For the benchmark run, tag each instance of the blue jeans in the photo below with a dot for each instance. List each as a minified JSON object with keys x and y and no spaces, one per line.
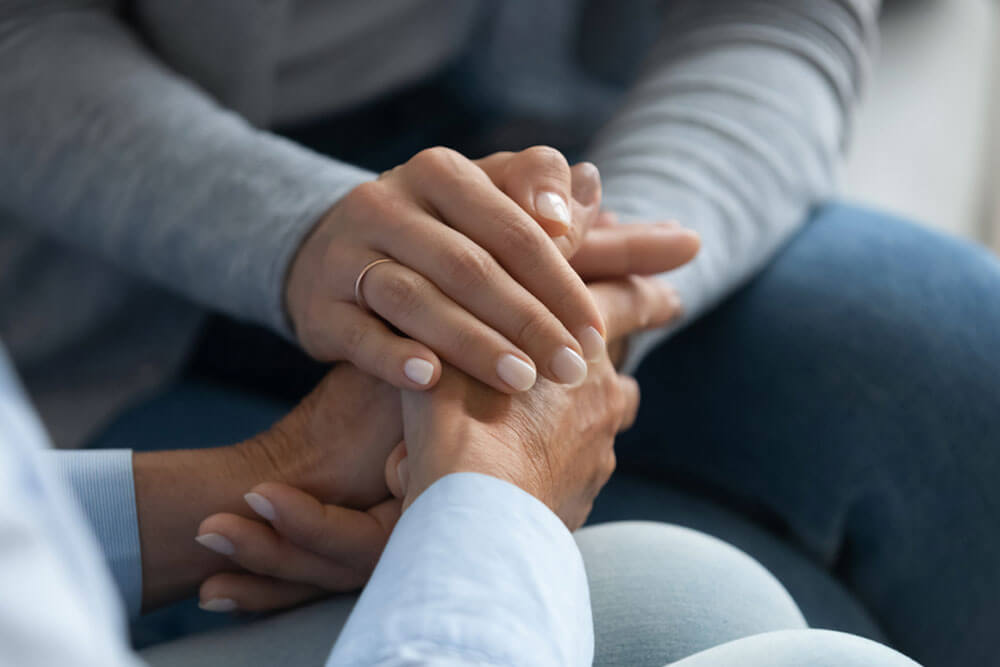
{"x":836,"y":419}
{"x":848,"y":402}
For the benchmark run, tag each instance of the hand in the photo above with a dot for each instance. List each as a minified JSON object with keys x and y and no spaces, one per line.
{"x":334,"y":445}
{"x":475,"y":280}
{"x":307,"y":548}
{"x":553,"y":442}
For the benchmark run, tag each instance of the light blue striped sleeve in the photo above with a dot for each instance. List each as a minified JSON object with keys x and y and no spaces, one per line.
{"x":102,"y":483}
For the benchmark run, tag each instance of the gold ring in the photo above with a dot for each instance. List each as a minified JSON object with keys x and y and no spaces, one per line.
{"x":358,"y":299}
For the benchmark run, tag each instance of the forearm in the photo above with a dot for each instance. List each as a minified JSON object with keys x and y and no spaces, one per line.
{"x":175,"y":491}
{"x":736,"y":129}
{"x":107,"y":149}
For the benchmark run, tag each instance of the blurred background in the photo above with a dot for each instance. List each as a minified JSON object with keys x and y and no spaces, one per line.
{"x":927,"y":144}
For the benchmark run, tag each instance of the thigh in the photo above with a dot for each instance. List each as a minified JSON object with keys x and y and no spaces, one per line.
{"x":660,"y":592}
{"x":847,"y":398}
{"x":295,"y":638}
{"x":794,"y":648}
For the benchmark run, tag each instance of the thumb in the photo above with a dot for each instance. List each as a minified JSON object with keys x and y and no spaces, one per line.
{"x":397,"y":471}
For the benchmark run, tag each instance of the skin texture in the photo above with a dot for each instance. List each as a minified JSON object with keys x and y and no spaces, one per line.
{"x":334,"y":446}
{"x":476,"y":279}
{"x":555,"y":442}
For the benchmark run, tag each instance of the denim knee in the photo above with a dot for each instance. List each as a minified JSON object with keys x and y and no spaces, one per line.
{"x":661,"y":592}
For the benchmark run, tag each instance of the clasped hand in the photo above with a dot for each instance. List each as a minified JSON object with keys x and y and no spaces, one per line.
{"x":322,"y":525}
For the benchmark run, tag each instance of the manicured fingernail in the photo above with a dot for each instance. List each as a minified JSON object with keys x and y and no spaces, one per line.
{"x":586,"y":183}
{"x":216,"y":543}
{"x":261,"y":505}
{"x":569,"y":367}
{"x":517,"y":373}
{"x":592,"y":343}
{"x":418,"y":370}
{"x":551,"y":206}
{"x":218,"y":605}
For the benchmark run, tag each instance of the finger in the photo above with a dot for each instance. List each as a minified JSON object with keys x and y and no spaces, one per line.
{"x":585,"y":205}
{"x":640,"y":249}
{"x":606,"y":218}
{"x":258,"y":548}
{"x":538,"y":179}
{"x":396,"y":470}
{"x":363,"y":339}
{"x":237,"y":591}
{"x":635,"y":303}
{"x":630,"y":392}
{"x":417,"y":307}
{"x":473,"y":279}
{"x":475,"y":207}
{"x":351,"y":537}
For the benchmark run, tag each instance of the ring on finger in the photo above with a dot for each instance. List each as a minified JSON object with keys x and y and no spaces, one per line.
{"x":358,"y":296}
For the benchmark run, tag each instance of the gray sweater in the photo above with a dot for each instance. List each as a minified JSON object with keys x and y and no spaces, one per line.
{"x":139,"y":186}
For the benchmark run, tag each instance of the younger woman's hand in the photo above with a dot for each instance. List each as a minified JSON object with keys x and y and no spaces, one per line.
{"x":474,"y":276}
{"x":474,"y":279}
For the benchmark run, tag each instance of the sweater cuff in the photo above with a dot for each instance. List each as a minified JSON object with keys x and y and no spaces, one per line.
{"x":102,"y":482}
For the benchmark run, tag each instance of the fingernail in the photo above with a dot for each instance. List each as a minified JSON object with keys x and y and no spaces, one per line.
{"x":261,"y":505}
{"x":592,"y":342}
{"x":517,"y":373}
{"x":403,"y":473}
{"x":551,"y":206}
{"x":586,"y":188}
{"x":418,"y":370}
{"x":569,"y":367}
{"x":216,"y":543}
{"x":218,"y":605}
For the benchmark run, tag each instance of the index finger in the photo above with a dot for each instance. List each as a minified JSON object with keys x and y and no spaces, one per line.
{"x":475,"y":207}
{"x":641,"y":249}
{"x":634,"y":304}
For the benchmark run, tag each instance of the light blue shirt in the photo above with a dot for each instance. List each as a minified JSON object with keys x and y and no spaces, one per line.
{"x":476,"y":571}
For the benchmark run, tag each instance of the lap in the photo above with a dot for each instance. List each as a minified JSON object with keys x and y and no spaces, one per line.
{"x":658,"y":593}
{"x":846,"y":399}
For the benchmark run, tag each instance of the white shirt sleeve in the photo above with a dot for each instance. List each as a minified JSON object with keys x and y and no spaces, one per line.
{"x":58,"y":606}
{"x":477,"y":571}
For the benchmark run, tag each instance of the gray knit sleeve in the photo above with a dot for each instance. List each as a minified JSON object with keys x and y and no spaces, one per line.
{"x":107,"y":149}
{"x":735,"y":128}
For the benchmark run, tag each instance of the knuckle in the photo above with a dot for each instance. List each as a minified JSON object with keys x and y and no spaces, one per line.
{"x":469,"y":267}
{"x":547,"y":158}
{"x":521,"y":240}
{"x":399,"y":292}
{"x":465,"y":341}
{"x":535,"y":324}
{"x":363,"y":199}
{"x":353,"y":336}
{"x":439,"y":160}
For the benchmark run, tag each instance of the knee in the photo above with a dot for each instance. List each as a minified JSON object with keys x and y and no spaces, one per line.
{"x":793,"y":648}
{"x":863,"y":282}
{"x":662,"y":592}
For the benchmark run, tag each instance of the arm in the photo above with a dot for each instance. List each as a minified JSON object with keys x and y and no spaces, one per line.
{"x":107,"y":149}
{"x":58,"y":605}
{"x":477,"y":571}
{"x":736,"y":127}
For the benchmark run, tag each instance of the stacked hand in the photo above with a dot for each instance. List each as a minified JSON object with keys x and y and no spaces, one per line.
{"x":473,"y":276}
{"x":470,"y":289}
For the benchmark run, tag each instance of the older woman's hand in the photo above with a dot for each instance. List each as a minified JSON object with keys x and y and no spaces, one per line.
{"x":554,"y":441}
{"x":474,"y":277}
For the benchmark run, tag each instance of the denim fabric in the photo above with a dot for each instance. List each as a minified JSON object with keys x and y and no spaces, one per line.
{"x":847,"y":400}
